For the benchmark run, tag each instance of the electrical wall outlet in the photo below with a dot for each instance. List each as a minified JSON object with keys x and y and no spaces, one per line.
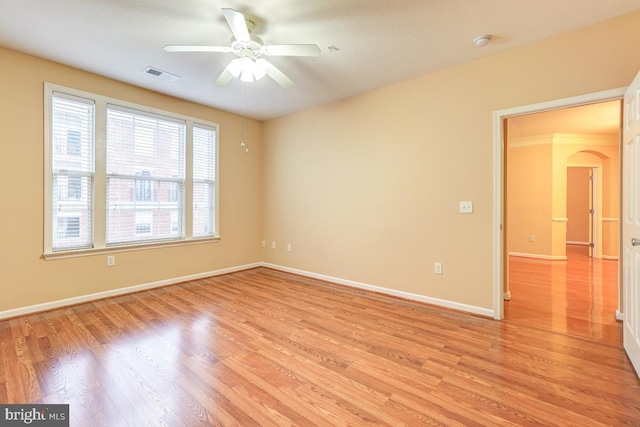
{"x":288,"y":247}
{"x":532,"y":238}
{"x":111,"y":261}
{"x":273,"y":245}
{"x":466,"y":207}
{"x":263,"y":243}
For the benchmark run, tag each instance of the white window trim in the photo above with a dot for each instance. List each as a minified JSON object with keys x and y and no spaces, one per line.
{"x":99,"y":190}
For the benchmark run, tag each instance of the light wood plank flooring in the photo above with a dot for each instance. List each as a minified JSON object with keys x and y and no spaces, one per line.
{"x":265,"y":348}
{"x":578,"y":297}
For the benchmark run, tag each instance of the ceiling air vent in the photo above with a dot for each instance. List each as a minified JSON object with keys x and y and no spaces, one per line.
{"x":162,"y":74}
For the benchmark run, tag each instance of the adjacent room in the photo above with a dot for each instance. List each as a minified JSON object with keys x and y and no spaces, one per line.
{"x":563,"y":164}
{"x":320,"y":213}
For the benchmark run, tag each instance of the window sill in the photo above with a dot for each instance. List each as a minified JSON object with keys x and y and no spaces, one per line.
{"x":50,"y":256}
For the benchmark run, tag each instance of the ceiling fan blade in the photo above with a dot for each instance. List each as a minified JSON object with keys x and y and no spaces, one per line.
{"x":225,"y":77}
{"x":277,"y":75}
{"x":291,"y":50}
{"x":237,"y":24}
{"x":177,"y":48}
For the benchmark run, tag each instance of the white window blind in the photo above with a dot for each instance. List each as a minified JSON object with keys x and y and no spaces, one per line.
{"x":145,"y":176}
{"x":204,"y":149}
{"x":72,"y":169}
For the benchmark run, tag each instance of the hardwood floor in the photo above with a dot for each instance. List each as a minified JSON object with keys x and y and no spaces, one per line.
{"x":577,"y":297}
{"x":265,"y":348}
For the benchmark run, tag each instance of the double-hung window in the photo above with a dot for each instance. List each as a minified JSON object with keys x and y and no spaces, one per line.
{"x":119,"y":174}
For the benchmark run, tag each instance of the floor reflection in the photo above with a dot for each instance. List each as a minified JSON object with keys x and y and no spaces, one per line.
{"x":577,"y":297}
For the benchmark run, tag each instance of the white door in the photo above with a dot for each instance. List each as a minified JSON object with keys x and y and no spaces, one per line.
{"x":631,"y":221}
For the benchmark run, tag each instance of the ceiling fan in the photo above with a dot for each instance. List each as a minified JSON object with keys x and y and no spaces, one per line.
{"x":250,"y":65}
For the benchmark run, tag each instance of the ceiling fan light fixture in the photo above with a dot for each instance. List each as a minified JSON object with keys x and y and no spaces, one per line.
{"x":259,"y":70}
{"x":247,"y":76}
{"x":235,"y":67}
{"x":248,"y":65}
{"x":247,"y":69}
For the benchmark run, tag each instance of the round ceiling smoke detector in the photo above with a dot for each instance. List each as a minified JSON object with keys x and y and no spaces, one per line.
{"x":482,"y":40}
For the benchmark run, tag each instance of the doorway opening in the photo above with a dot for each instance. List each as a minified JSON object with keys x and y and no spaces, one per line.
{"x":581,"y":207}
{"x":531,"y":223}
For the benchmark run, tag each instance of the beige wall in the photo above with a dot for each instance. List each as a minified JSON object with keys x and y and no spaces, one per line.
{"x":25,"y":278}
{"x":367,"y":188}
{"x":530,"y":178}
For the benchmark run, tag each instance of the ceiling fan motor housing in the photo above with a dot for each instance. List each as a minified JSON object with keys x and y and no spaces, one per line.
{"x":252,"y":48}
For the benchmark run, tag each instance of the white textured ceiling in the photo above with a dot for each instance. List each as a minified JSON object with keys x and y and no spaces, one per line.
{"x":380,"y":41}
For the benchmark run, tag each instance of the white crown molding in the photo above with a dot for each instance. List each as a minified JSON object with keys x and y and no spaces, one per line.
{"x":588,"y":139}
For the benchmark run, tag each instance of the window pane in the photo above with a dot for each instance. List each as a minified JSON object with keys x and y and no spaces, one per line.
{"x":74,"y":188}
{"x":143,"y":191}
{"x":203,"y":214}
{"x":68,"y":227}
{"x":145,"y":176}
{"x":131,"y":220}
{"x":72,"y":139}
{"x":74,"y":142}
{"x":204,"y":181}
{"x":136,"y":142}
{"x":144,"y":222}
{"x":204,"y":153}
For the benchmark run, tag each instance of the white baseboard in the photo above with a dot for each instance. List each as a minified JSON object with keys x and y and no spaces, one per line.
{"x":407,"y":295}
{"x":121,"y":291}
{"x":555,"y":258}
{"x":539,"y":256}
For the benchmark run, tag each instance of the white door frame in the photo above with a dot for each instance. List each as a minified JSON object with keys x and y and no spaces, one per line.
{"x":498,"y":179}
